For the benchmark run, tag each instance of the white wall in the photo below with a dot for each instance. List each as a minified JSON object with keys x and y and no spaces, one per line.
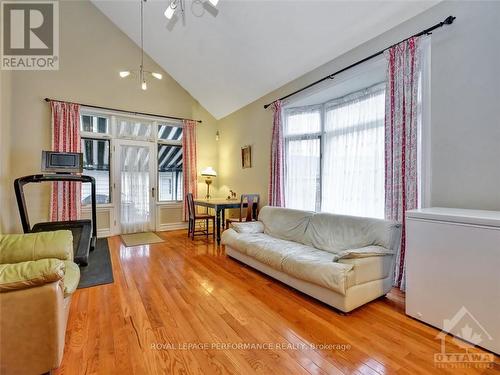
{"x":465,"y":121}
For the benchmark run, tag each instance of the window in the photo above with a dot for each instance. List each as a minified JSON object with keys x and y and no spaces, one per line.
{"x":94,"y":124}
{"x":96,"y":157}
{"x":335,"y":155}
{"x":302,"y":133}
{"x":170,"y":182}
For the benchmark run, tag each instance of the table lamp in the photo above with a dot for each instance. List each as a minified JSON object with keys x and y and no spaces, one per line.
{"x":208,"y":172}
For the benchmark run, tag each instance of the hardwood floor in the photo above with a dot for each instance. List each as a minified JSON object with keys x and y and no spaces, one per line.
{"x":170,"y":296}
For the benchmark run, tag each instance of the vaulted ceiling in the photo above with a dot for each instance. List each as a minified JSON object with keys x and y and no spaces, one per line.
{"x":245,"y":49}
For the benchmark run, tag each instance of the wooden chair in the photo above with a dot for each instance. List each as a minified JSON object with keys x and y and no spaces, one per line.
{"x":193,"y":216}
{"x":250,"y":200}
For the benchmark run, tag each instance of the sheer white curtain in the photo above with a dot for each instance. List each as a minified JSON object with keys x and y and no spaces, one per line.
{"x":302,"y":133}
{"x":135,"y":203}
{"x":353,"y":163}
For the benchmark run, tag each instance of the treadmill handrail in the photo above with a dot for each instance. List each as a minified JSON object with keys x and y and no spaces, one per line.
{"x":37,"y":178}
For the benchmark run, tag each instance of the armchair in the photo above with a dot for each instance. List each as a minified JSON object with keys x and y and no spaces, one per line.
{"x":37,"y":279}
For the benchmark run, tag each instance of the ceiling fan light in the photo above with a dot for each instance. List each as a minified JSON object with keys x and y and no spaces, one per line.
{"x":214,"y":2}
{"x":169,"y":13}
{"x":157,"y":75}
{"x":144,"y":85}
{"x":124,"y":73}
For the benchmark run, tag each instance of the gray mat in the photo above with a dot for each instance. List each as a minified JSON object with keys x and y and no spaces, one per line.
{"x":99,"y":270}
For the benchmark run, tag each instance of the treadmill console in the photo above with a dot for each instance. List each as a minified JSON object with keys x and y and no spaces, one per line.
{"x":62,"y":162}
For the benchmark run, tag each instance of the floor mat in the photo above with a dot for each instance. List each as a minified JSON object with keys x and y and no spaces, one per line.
{"x":136,"y":239}
{"x":99,"y":270}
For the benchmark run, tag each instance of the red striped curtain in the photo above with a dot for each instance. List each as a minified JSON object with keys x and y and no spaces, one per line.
{"x":276,"y":178}
{"x":66,"y":196}
{"x":190,"y":169}
{"x":401,"y":116}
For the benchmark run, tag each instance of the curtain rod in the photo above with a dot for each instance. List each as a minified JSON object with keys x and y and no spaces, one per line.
{"x":448,"y":21}
{"x":124,"y":111}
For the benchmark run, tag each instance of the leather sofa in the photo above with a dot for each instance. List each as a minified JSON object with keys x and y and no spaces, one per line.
{"x":343,"y":261}
{"x":37,"y":279}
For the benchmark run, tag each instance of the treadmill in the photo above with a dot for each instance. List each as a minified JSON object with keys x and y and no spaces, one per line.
{"x":84,"y":231}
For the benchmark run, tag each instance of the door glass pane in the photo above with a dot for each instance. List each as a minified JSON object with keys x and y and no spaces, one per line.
{"x":96,"y":164}
{"x":135,"y":188}
{"x":134,"y":129}
{"x":303,"y":174}
{"x":170,"y":173}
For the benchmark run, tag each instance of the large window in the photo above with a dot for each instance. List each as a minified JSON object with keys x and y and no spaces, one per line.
{"x":170,"y":186}
{"x":96,"y":157}
{"x":335,"y":155}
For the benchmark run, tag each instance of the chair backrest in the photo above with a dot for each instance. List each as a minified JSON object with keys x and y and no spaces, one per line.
{"x":251,"y":200}
{"x":190,"y":204}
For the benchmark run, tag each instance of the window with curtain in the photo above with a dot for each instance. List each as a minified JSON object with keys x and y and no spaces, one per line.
{"x":302,"y":134}
{"x":170,"y":168}
{"x":95,"y":146}
{"x":335,"y":155}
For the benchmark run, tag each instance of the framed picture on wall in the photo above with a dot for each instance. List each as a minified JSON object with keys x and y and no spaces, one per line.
{"x":246,"y":157}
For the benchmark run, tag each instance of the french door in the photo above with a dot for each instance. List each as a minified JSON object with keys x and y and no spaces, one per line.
{"x":135,"y":179}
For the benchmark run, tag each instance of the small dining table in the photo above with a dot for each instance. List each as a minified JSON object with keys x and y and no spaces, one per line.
{"x":220,"y":205}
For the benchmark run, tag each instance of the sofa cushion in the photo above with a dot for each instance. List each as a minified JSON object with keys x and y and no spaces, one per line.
{"x":335,"y":233}
{"x":15,"y":248}
{"x":71,"y":277}
{"x":24,"y":275}
{"x":285,"y":223}
{"x":364,"y":252}
{"x":262,"y":247}
{"x":317,"y":267}
{"x":248,"y":227}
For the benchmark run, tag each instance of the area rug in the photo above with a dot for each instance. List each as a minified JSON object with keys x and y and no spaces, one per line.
{"x":99,"y":270}
{"x":136,"y":239}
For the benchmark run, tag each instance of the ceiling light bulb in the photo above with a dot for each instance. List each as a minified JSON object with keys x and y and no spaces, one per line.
{"x":157,"y":75}
{"x":214,"y":2}
{"x":124,"y":73}
{"x":144,"y":85}
{"x":169,"y":13}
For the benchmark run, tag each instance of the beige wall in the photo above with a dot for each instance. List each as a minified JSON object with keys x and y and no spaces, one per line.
{"x":465,"y":125}
{"x":92,"y":52}
{"x":5,"y":185}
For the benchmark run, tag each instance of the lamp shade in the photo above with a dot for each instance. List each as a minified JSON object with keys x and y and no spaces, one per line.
{"x":209,"y":171}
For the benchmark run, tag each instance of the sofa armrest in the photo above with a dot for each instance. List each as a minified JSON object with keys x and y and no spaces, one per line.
{"x":32,"y":328}
{"x":24,"y":275}
{"x":248,"y":227}
{"x":15,"y":248}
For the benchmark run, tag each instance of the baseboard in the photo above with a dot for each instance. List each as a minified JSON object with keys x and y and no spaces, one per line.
{"x":172,"y":226}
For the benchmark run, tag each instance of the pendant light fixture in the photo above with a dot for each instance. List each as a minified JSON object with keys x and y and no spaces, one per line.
{"x":142,"y":73}
{"x":179,"y":4}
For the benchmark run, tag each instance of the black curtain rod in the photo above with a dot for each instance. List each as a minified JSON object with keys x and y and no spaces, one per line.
{"x":123,"y":110}
{"x":448,"y":21}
